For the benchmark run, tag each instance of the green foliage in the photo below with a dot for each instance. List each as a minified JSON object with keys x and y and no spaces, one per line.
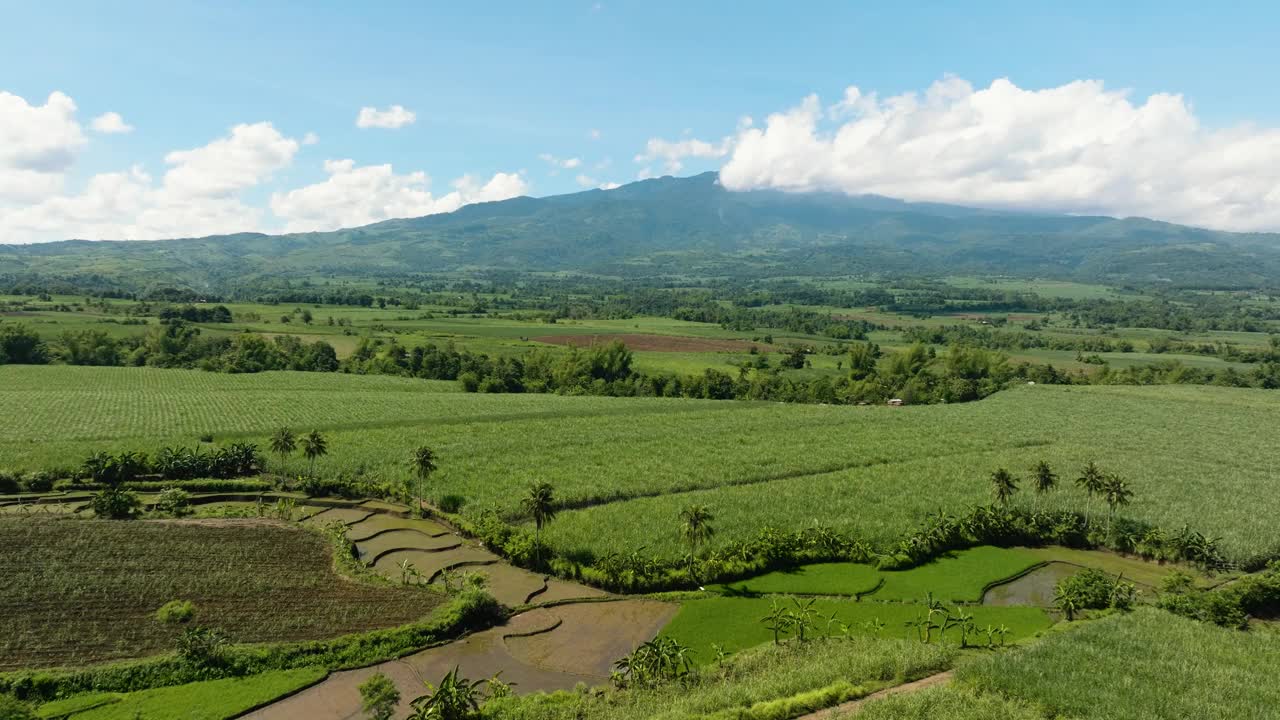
{"x":661,"y":660}
{"x":12,"y":708}
{"x":1144,"y":665}
{"x":176,"y":611}
{"x":174,"y":502}
{"x":455,"y":698}
{"x":1232,"y":606}
{"x":736,"y":623}
{"x":202,"y":647}
{"x":209,"y":700}
{"x":379,"y":697}
{"x":115,"y":504}
{"x":1092,"y":589}
{"x":764,"y":683}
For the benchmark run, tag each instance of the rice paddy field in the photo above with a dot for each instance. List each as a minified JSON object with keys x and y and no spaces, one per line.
{"x":208,"y":700}
{"x":623,"y":468}
{"x":80,"y":591}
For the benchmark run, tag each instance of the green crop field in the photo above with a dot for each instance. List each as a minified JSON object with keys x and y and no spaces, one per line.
{"x":960,"y":576}
{"x":1200,"y":456}
{"x":85,"y":591}
{"x":734,"y":623}
{"x":1147,"y":665}
{"x":208,"y":700}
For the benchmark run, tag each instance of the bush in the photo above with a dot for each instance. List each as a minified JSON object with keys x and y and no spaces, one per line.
{"x":12,"y":708}
{"x":174,"y":502}
{"x":202,"y":647}
{"x":115,"y":504}
{"x":40,"y":481}
{"x":451,"y":503}
{"x":1092,"y":589}
{"x":176,"y":611}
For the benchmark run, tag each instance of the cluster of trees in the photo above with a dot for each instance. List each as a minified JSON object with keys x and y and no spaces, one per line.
{"x":196,"y":314}
{"x":231,"y":461}
{"x":170,"y":344}
{"x":916,"y":375}
{"x":993,"y":339}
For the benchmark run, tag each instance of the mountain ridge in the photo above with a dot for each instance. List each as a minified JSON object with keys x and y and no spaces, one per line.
{"x":682,"y":226}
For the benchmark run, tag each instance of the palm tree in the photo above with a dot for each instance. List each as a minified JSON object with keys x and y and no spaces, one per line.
{"x":696,"y":529}
{"x":423,"y":464}
{"x":1044,"y":478}
{"x":283,"y":443}
{"x":1117,"y":494}
{"x":314,"y":446}
{"x":1004,"y":485}
{"x":539,"y":503}
{"x":1091,"y":480}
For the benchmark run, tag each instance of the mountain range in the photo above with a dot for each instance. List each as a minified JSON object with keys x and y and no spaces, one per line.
{"x":683,"y":227}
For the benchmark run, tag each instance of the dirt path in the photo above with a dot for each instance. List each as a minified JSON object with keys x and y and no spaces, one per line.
{"x":853,"y":707}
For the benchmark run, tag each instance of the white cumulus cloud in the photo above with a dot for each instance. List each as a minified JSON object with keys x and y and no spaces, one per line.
{"x":110,"y":123}
{"x":38,"y":144}
{"x":393,"y":117}
{"x":672,"y":152}
{"x":198,"y":195}
{"x":1077,"y":148}
{"x":358,"y":195}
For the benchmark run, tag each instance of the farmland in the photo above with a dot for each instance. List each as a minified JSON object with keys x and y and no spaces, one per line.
{"x":1125,"y":666}
{"x":255,"y":580}
{"x":623,"y":468}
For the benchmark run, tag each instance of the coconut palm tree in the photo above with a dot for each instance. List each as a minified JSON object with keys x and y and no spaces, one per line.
{"x":1117,"y":494}
{"x":314,"y":446}
{"x":695,"y":527}
{"x":1003,"y":485}
{"x":540,"y":503}
{"x":283,"y":443}
{"x":423,"y":463}
{"x":1044,"y":478}
{"x":1091,"y":480}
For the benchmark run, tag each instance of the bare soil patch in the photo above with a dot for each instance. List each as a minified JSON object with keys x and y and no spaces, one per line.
{"x":651,"y":343}
{"x":592,"y":636}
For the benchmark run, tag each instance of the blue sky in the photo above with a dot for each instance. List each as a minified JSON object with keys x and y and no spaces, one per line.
{"x":495,"y":88}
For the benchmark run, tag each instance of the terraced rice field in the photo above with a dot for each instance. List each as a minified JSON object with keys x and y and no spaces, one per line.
{"x":543,"y":649}
{"x":84,"y":591}
{"x":625,"y":467}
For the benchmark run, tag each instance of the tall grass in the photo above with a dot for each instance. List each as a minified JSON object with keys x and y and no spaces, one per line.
{"x":624,"y":468}
{"x":1148,"y":665}
{"x":766,"y":682}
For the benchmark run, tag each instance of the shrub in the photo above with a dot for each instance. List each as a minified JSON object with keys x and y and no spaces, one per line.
{"x":451,"y":503}
{"x":174,"y":502}
{"x":115,"y":504}
{"x":11,"y":708}
{"x":379,"y":697}
{"x":39,"y":482}
{"x":206,"y":438}
{"x":176,"y":611}
{"x":9,"y":484}
{"x":1092,"y":589}
{"x":201,"y":647}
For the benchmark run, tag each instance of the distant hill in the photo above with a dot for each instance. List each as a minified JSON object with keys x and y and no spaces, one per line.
{"x":685,"y":226}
